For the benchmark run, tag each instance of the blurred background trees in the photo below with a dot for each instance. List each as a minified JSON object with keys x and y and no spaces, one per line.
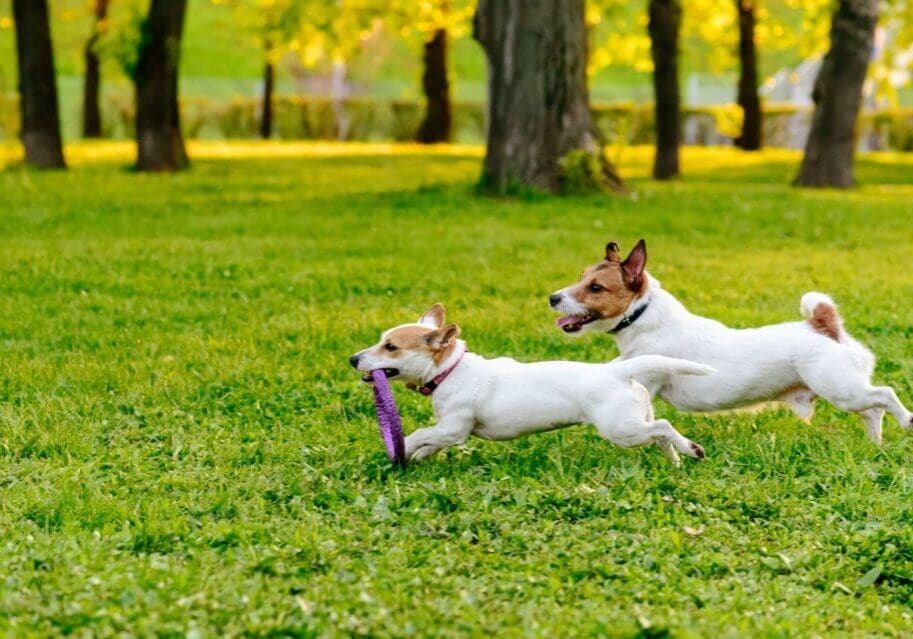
{"x":159,"y":139}
{"x":91,"y":111}
{"x":659,"y":71}
{"x":40,"y":131}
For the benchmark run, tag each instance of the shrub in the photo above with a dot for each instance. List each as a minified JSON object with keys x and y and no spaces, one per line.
{"x":367,"y":119}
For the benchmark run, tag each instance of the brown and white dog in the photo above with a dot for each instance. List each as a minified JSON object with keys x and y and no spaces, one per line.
{"x":794,"y":362}
{"x":502,"y":399}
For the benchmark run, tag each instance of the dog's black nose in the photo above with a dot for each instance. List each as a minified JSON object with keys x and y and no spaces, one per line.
{"x":354,"y":361}
{"x":554,"y":299}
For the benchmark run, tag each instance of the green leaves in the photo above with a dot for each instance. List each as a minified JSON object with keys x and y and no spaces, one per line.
{"x":869,"y":578}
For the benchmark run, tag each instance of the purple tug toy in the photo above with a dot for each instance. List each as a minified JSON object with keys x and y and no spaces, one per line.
{"x":391,"y":428}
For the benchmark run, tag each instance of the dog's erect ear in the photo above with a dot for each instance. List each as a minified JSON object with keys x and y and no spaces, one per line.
{"x":632,"y":269}
{"x":433,"y":317}
{"x":443,"y":337}
{"x":612,"y":252}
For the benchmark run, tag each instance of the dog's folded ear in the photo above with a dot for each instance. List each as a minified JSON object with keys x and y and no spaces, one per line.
{"x":612,"y":252}
{"x":433,"y":317}
{"x":443,"y":337}
{"x":632,"y":269}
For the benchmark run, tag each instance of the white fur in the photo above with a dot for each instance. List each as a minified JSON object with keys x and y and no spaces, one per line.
{"x":503,"y":399}
{"x":790,"y":361}
{"x":810,"y":302}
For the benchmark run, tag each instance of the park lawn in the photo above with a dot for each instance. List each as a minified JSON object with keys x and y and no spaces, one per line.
{"x":184,"y":450}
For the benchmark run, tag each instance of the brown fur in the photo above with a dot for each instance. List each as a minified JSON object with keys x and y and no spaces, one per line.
{"x":826,"y":321}
{"x":438,"y":343}
{"x":617,"y":293}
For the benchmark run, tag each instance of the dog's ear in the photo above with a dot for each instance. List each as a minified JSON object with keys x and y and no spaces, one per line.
{"x":632,"y":269}
{"x":433,"y":317}
{"x":612,"y":252}
{"x":443,"y":337}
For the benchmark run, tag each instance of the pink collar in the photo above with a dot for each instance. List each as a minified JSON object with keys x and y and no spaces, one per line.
{"x":428,"y":388}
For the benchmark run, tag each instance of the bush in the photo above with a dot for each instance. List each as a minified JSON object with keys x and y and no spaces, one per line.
{"x":366,"y":119}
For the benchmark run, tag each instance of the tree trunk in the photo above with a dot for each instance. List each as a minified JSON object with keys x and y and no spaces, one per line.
{"x":751,"y":138}
{"x":266,"y":114}
{"x":436,"y":125}
{"x":37,"y":85}
{"x":828,"y":160}
{"x":665,"y":17}
{"x":160,"y":145}
{"x":91,"y":114}
{"x":538,"y":103}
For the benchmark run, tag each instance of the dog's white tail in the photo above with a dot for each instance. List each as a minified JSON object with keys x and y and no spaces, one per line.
{"x":821,"y":313}
{"x":654,"y":370}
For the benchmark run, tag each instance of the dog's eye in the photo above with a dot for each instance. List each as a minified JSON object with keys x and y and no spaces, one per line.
{"x":595,"y":288}
{"x":389,"y":346}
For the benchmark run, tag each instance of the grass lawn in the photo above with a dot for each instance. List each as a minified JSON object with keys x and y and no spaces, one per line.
{"x":184,"y":450}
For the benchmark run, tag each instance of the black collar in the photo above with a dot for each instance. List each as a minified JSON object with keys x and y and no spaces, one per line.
{"x":630,"y":319}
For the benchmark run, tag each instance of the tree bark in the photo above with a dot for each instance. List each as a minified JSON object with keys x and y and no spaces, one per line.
{"x":37,"y":85}
{"x":665,"y":17}
{"x":538,"y":102}
{"x":160,"y":145}
{"x":91,"y":114}
{"x":751,"y":138}
{"x":266,"y":114}
{"x":437,"y":123}
{"x":828,"y":160}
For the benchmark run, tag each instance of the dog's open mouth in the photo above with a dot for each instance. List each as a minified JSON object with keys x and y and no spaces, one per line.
{"x":389,"y":372}
{"x":573,"y":323}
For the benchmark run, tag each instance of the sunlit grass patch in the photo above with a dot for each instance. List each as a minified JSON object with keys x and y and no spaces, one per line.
{"x":184,"y":448}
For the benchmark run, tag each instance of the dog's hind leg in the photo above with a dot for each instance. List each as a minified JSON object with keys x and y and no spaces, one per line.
{"x":801,"y":400}
{"x":664,"y":445}
{"x":872,"y":418}
{"x":660,"y":432}
{"x":855,"y":393}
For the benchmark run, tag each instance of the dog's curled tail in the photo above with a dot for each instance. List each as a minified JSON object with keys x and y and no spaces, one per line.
{"x":654,"y":370}
{"x":821,"y":313}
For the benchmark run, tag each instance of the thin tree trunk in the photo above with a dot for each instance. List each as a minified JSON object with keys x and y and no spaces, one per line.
{"x":91,"y":114}
{"x":538,"y":102}
{"x":37,"y":85}
{"x":751,"y":138}
{"x":266,"y":113}
{"x":160,"y":145}
{"x":436,"y":125}
{"x":665,"y":16}
{"x":828,"y":160}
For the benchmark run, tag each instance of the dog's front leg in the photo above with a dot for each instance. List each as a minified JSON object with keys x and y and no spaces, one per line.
{"x":450,"y":431}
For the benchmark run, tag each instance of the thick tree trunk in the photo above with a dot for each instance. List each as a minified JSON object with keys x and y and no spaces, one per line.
{"x":37,"y":85}
{"x":160,"y":145}
{"x":665,"y":16}
{"x":751,"y":138}
{"x":436,"y":125}
{"x":266,"y":114}
{"x":828,"y":160}
{"x":91,"y":114}
{"x":538,"y":104}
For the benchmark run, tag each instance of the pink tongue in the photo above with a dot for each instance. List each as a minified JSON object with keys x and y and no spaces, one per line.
{"x":567,"y":320}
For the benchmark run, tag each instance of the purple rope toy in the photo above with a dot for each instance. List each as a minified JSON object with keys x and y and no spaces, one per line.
{"x":391,"y":428}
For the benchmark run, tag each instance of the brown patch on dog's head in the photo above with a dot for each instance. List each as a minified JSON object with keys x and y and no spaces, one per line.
{"x":826,"y":320}
{"x":607,"y":289}
{"x":437,"y":343}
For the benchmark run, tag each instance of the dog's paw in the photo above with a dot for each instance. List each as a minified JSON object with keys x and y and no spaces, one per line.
{"x":698,"y":450}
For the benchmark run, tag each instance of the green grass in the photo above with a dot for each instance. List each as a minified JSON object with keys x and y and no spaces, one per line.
{"x":184,"y":450}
